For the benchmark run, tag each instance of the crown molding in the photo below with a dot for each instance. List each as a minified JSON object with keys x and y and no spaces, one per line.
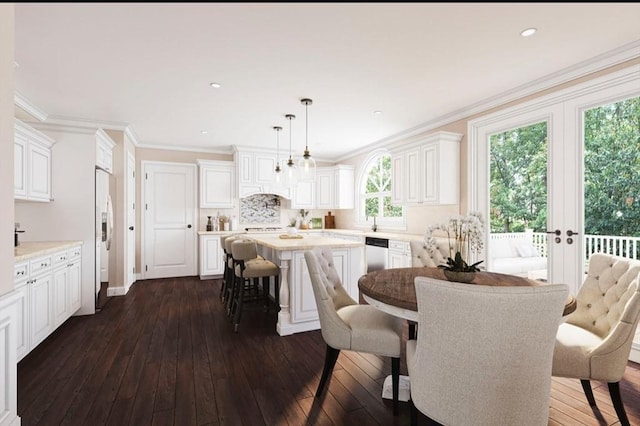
{"x":132,"y":136}
{"x":185,"y":148}
{"x":28,"y":107}
{"x":609,"y":59}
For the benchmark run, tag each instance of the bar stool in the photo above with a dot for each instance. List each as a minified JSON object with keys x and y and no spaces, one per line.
{"x":228,"y":276}
{"x":249,"y":268}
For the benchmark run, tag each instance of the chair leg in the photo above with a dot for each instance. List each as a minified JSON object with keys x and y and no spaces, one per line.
{"x":413,"y":413}
{"x":586,"y":386}
{"x":395,"y":383}
{"x":266,"y":284}
{"x":240,"y":301}
{"x":329,"y":362}
{"x":614,"y":391}
{"x":412,"y":330}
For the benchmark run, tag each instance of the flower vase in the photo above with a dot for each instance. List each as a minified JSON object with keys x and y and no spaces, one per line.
{"x":459,"y":276}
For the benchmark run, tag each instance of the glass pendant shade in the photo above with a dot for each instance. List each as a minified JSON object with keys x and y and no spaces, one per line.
{"x":306,"y":165}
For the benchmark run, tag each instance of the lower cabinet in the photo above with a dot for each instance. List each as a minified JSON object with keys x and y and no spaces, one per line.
{"x":399,"y":254}
{"x":46,"y":296}
{"x":211,"y":262}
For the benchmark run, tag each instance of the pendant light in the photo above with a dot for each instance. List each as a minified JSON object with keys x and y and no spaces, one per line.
{"x":290,"y":170}
{"x":307,"y":165}
{"x":277,"y":173}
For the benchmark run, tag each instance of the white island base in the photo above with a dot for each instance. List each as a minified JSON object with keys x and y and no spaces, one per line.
{"x":298,"y":312}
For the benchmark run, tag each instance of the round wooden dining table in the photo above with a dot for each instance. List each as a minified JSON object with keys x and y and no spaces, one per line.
{"x":393,"y":290}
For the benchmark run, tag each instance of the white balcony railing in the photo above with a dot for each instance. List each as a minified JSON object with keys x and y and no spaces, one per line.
{"x":628,"y":247}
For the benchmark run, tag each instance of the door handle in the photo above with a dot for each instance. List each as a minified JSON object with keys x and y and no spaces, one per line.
{"x":571,"y":233}
{"x":189,"y":226}
{"x":557,"y":232}
{"x":131,"y":228}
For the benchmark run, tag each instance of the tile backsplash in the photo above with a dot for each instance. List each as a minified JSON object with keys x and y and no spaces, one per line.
{"x":263,"y":209}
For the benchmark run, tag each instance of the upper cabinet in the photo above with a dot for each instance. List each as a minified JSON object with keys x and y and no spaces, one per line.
{"x":104,"y":151}
{"x":32,"y":163}
{"x":256,"y":173}
{"x":427,"y":171}
{"x":217,"y":184}
{"x":335,"y":187}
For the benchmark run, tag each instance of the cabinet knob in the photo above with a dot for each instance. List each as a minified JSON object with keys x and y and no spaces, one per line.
{"x":131,"y":228}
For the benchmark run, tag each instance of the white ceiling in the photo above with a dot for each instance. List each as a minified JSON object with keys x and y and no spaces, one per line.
{"x":149,"y":65}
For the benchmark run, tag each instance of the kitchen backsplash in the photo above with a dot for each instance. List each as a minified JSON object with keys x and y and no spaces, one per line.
{"x":262,"y":209}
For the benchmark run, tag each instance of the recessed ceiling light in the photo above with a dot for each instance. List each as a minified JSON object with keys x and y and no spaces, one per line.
{"x":16,"y":65}
{"x":377,"y":112}
{"x":204,"y":132}
{"x":215,"y":85}
{"x":528,"y":32}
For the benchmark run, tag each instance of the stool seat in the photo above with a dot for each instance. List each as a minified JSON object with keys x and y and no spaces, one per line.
{"x":248,"y":269}
{"x":257,"y":268}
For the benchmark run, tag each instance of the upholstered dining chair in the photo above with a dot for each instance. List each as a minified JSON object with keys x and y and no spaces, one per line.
{"x":595,"y":341}
{"x":421,"y":256}
{"x":483,"y":354}
{"x":347,"y":325}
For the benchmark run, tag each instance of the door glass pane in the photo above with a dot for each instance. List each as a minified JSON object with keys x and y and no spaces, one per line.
{"x":611,"y":179}
{"x":518,"y":201}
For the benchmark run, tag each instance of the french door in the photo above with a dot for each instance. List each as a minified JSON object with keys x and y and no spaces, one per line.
{"x":562,"y":116}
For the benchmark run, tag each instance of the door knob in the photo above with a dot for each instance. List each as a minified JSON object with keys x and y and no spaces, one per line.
{"x":131,"y":228}
{"x":571,"y":233}
{"x":557,"y":232}
{"x":189,"y":226}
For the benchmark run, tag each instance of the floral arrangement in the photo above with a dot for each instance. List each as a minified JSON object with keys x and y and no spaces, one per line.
{"x":466,"y":236}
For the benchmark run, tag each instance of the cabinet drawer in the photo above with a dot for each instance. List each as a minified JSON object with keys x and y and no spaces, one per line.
{"x":21,"y":272}
{"x":60,"y":258}
{"x":398,"y":245}
{"x":74,"y":253}
{"x":40,"y":265}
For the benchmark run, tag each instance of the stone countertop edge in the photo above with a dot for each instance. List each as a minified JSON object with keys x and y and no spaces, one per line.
{"x":306,"y":243}
{"x":30,"y":249}
{"x":387,"y":235}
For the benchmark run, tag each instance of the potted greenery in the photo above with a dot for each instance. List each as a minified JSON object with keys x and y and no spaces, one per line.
{"x":465,"y":234}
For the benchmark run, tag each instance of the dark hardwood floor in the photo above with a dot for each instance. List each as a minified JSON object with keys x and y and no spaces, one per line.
{"x":165,"y":354}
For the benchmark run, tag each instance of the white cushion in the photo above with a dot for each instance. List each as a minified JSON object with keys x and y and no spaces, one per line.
{"x":527,"y":250}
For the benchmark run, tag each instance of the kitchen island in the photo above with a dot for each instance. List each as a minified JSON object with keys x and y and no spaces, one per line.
{"x":298,"y":310}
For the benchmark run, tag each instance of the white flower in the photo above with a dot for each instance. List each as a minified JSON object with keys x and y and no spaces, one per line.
{"x":465,"y":233}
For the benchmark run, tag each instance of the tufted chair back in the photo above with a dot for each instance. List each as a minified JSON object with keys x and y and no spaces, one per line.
{"x":421,"y":256}
{"x":330,"y":296}
{"x":609,"y":295}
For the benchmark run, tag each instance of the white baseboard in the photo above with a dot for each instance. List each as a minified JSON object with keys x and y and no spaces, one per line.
{"x":116,"y":291}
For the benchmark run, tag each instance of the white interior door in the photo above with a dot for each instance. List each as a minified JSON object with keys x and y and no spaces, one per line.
{"x":169,"y":220}
{"x":131,"y":220}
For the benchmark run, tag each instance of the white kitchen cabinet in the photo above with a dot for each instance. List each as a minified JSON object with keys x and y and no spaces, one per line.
{"x":104,"y":151}
{"x":75,"y":281}
{"x":48,"y":292}
{"x":21,"y":304}
{"x":428,"y":171}
{"x":335,"y":187}
{"x":60,"y":306}
{"x":217,"y":184}
{"x":211,"y":261}
{"x":399,"y":254}
{"x":256,"y":172}
{"x":303,"y":196}
{"x":32,"y":163}
{"x":40,"y":300}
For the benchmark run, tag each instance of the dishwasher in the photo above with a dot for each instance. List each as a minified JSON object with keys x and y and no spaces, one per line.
{"x":376,"y":253}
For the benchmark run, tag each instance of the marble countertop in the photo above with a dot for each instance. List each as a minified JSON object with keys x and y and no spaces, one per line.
{"x":29,"y":249}
{"x":388,"y":235}
{"x":307,"y":242}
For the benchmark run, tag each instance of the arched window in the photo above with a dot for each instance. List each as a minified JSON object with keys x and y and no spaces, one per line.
{"x":375,"y":193}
